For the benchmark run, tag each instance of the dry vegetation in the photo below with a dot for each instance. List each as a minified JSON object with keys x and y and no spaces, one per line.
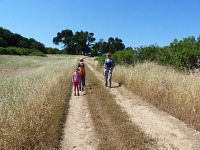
{"x":113,"y":126}
{"x":174,"y":92}
{"x":34,"y":92}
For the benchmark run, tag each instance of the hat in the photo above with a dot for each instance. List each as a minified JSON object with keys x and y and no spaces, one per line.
{"x":81,"y":58}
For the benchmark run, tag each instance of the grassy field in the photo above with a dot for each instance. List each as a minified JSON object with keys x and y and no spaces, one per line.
{"x":34,"y":93}
{"x":174,"y":92}
{"x":114,"y":129}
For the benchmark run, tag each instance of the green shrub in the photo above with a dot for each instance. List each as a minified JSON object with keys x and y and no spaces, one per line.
{"x":20,"y":51}
{"x":125,"y":57}
{"x":38,"y":53}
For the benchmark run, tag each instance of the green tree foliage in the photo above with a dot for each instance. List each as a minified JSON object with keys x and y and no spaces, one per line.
{"x":78,"y":43}
{"x":101,"y":60}
{"x":101,"y":46}
{"x":123,"y":57}
{"x":9,"y":39}
{"x":20,"y":51}
{"x":37,"y":45}
{"x":65,"y":37}
{"x":183,"y":54}
{"x":3,"y":42}
{"x":54,"y":51}
{"x":148,"y":53}
{"x":113,"y":45}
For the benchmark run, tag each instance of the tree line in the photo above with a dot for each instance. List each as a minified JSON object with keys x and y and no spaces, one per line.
{"x":80,"y":42}
{"x":7,"y":39}
{"x":16,"y":44}
{"x":84,"y":42}
{"x":183,"y":54}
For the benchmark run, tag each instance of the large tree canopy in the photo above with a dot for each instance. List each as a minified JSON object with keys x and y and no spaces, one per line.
{"x":78,"y":43}
{"x":113,"y":45}
{"x":8,"y":39}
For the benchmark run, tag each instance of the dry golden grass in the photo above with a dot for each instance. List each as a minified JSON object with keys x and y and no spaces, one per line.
{"x":115,"y":130}
{"x":174,"y":92}
{"x":34,"y":94}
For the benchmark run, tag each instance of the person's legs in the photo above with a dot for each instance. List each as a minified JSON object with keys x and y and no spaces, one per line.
{"x":80,"y":85}
{"x":75,"y":87}
{"x":83,"y":83}
{"x":106,"y":70}
{"x":110,"y":77}
{"x":78,"y":88}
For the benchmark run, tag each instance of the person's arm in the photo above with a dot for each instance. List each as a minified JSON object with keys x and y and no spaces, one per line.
{"x":73,"y":78}
{"x":78,"y":64}
{"x":79,"y":77}
{"x":104,"y":63}
{"x":113,"y":63}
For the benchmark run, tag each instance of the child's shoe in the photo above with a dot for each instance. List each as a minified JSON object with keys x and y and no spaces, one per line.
{"x":74,"y":94}
{"x":78,"y":94}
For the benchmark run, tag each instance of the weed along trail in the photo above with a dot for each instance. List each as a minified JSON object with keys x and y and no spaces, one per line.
{"x":78,"y":131}
{"x":169,"y":132}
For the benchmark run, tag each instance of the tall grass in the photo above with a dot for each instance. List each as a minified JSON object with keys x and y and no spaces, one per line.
{"x":34,"y":93}
{"x":174,"y":92}
{"x":114,"y":129}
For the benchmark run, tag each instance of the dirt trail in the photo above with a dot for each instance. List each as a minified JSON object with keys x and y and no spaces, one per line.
{"x":169,"y":131}
{"x":78,"y":131}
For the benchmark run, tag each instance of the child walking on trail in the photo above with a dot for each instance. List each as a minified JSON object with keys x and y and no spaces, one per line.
{"x":76,"y":77}
{"x":81,"y":61}
{"x":82,"y":73}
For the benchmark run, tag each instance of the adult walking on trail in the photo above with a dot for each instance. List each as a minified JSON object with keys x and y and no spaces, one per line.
{"x":109,"y":64}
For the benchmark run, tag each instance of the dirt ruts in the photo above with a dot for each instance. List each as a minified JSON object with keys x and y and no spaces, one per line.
{"x":170,"y":132}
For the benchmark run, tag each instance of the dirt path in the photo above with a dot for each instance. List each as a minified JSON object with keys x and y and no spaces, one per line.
{"x":78,"y":132}
{"x":170,"y":132}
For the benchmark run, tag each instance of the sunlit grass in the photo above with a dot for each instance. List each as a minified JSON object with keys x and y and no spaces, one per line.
{"x":172,"y":91}
{"x":112,"y":124}
{"x":33,"y":95}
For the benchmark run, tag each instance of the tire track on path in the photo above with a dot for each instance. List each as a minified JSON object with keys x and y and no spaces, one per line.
{"x":170,"y":132}
{"x":78,"y":130}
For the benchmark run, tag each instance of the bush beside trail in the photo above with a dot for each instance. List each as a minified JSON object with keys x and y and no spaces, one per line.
{"x":182,"y":55}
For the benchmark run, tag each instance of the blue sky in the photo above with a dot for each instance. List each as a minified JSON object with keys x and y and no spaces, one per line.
{"x":136,"y":22}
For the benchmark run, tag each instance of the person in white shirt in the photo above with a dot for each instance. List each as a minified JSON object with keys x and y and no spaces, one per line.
{"x":109,"y":64}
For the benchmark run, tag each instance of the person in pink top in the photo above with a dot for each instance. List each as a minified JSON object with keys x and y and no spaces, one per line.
{"x":76,"y":77}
